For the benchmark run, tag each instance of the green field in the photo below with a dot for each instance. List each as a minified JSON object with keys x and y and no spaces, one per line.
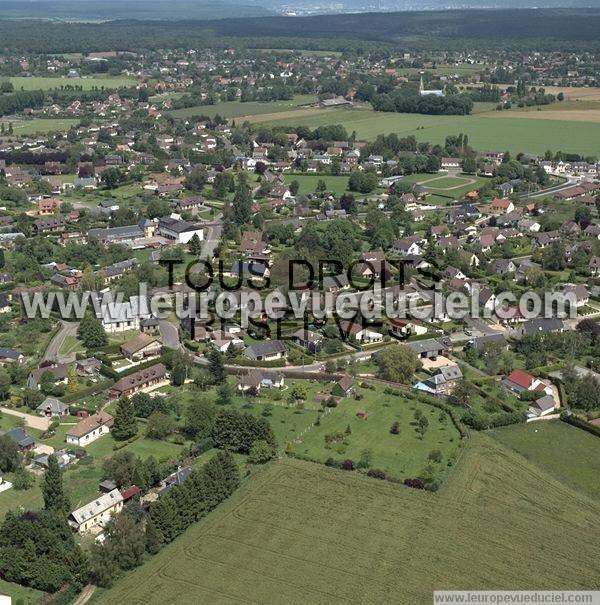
{"x":485,"y":133}
{"x":87,"y":83}
{"x":300,"y":533}
{"x":41,"y":125}
{"x":337,"y":185}
{"x":28,"y":596}
{"x":234,"y":109}
{"x":543,"y":442}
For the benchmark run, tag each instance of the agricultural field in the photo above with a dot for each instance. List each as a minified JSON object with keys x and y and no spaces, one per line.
{"x":297,"y":532}
{"x":487,"y":130}
{"x":41,"y":125}
{"x":542,"y":443}
{"x":86,"y":83}
{"x":235,"y":109}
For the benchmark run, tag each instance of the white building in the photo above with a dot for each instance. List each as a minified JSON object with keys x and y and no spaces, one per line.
{"x":96,"y":513}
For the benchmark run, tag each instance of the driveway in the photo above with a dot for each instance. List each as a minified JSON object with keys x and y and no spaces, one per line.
{"x":35,"y":422}
{"x":169,"y":334}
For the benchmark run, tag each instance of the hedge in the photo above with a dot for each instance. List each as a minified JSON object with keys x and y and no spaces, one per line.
{"x":93,"y":390}
{"x":573,"y":420}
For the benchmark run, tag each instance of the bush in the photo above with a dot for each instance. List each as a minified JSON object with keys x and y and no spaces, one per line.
{"x":395,"y":428}
{"x":347,"y":465}
{"x":376,"y":473}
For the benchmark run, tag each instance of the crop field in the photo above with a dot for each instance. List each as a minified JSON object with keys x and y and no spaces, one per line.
{"x":235,"y":109}
{"x":40,"y":125}
{"x":301,"y":533}
{"x":486,"y":131}
{"x":542,"y":442}
{"x":87,"y":83}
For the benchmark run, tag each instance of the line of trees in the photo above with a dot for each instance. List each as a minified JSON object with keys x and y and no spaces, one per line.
{"x":408,"y":100}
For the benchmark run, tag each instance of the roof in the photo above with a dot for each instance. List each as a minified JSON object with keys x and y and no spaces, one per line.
{"x":451,"y":372}
{"x":20,"y":437}
{"x":9,"y":353}
{"x":97,"y":507}
{"x":545,"y":403}
{"x":345,"y":382}
{"x":521,"y":378}
{"x":54,"y":405}
{"x":87,"y":425}
{"x":261,"y":349}
{"x":543,"y":324}
{"x":427,"y":346}
{"x":137,"y":344}
{"x":130,"y":492}
{"x":140,"y":378}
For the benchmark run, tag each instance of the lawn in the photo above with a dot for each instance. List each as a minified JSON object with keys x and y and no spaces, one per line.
{"x":485,"y":131}
{"x":337,"y":185}
{"x":41,"y":125}
{"x":299,"y":533}
{"x":27,"y":596}
{"x":401,"y":456}
{"x":87,"y":83}
{"x":234,"y":109}
{"x":70,"y":345}
{"x":563,"y":451}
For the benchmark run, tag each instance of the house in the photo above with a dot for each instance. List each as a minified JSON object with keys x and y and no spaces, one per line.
{"x":357,"y":333}
{"x":21,"y":438}
{"x":594,"y":266}
{"x":52,"y":408}
{"x":251,"y":270}
{"x":430,"y":348}
{"x":47,"y":207}
{"x":58,"y":372}
{"x":542,"y":407}
{"x":10,"y":356}
{"x":97,"y":512}
{"x":402,"y":328}
{"x":539,"y":324}
{"x":254,"y":380}
{"x":181,"y":232}
{"x":124,"y":316}
{"x":545,"y":238}
{"x":579,"y":292}
{"x":142,"y":379}
{"x":519,"y":380}
{"x":344,"y":387}
{"x":175,"y":479}
{"x":481,"y":342}
{"x":442,"y":381}
{"x":270,"y":350}
{"x":503,"y":266}
{"x":501,"y":206}
{"x":107,"y":486}
{"x":130,"y":493}
{"x":89,"y":429}
{"x":450,"y":162}
{"x":311,"y":341}
{"x":407,"y":245}
{"x":487,"y":299}
{"x":141,"y":347}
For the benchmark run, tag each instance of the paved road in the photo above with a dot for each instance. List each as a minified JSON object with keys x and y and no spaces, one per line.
{"x":169,"y":334}
{"x":68,"y":328}
{"x":212,"y":239}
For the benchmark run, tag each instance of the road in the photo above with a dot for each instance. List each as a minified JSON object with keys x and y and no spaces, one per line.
{"x":169,"y":334}
{"x":68,"y":328}
{"x":41,"y":423}
{"x":212,"y":238}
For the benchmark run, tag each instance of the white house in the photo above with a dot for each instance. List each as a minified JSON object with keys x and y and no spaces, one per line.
{"x":97,"y":512}
{"x":179,"y":231}
{"x":89,"y":429}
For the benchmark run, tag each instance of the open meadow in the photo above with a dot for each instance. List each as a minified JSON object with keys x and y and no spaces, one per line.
{"x":487,"y":130}
{"x":86,"y":83}
{"x":297,"y":532}
{"x":40,"y":125}
{"x":236,"y":109}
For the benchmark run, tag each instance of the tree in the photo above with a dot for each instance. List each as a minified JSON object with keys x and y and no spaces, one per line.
{"x":200,"y":418}
{"x":469,"y":165}
{"x":242,"y":203}
{"x":160,"y":425}
{"x":216,"y":367}
{"x":462,"y":392}
{"x":590,"y":327}
{"x":195,"y":245}
{"x":10,"y":458}
{"x":153,"y":537}
{"x":196,"y":180}
{"x":53,"y":491}
{"x":294,"y":187}
{"x":111,"y":177}
{"x":224,"y":394}
{"x":125,"y":426}
{"x":397,"y":363}
{"x":261,"y":452}
{"x":5,"y":383}
{"x":91,"y":332}
{"x":73,"y":380}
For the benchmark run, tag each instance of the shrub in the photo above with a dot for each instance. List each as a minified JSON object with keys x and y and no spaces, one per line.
{"x":348,"y":465}
{"x":376,"y":473}
{"x":395,"y":428}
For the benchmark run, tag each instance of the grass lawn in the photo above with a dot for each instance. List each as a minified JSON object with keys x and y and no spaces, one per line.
{"x":400,"y":456}
{"x":485,"y":131}
{"x":41,"y":125}
{"x":337,"y":185}
{"x":299,"y":533}
{"x":142,"y":447}
{"x":567,"y":453}
{"x":28,"y":596}
{"x":234,"y":109}
{"x":446,"y":188}
{"x":87,"y":83}
{"x":71,"y":344}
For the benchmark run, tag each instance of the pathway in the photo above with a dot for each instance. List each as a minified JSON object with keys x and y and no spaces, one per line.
{"x":52,"y":353}
{"x":35,"y":422}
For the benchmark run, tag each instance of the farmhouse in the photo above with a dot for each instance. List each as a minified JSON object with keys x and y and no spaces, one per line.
{"x":542,"y":407}
{"x":518,"y":381}
{"x":142,"y":379}
{"x":52,"y":407}
{"x":96,"y":513}
{"x":89,"y":429}
{"x":254,"y":380}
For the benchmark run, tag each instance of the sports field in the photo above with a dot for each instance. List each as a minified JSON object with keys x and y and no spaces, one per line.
{"x":236,"y":109}
{"x":87,"y":83}
{"x":301,"y":533}
{"x":486,"y":131}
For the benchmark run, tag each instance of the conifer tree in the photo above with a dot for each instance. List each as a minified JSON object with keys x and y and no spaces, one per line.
{"x":125,"y":425}
{"x":53,"y":489}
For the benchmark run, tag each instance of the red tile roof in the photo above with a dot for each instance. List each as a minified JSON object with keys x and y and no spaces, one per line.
{"x":521,"y":378}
